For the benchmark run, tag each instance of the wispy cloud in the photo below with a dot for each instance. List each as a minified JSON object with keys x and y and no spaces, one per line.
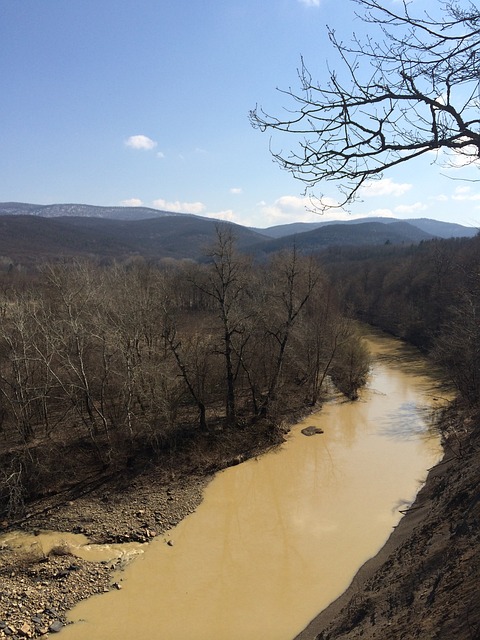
{"x":140,"y":142}
{"x":416,"y":207}
{"x":227,"y":216}
{"x":310,"y":3}
{"x":384,"y":187}
{"x":179,"y":207}
{"x":236,"y":190}
{"x":465,"y":193}
{"x":131,"y":202}
{"x":299,"y":209}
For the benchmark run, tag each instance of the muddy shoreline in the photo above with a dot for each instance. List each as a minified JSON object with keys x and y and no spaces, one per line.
{"x":37,"y":591}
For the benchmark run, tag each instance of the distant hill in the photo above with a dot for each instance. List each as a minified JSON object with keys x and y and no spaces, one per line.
{"x":26,"y":239}
{"x":433,"y":227}
{"x":443,"y":229}
{"x":354,"y":234}
{"x":30,"y":232}
{"x":83,"y":210}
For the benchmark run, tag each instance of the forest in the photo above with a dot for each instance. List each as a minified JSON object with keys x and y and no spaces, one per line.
{"x":107,"y":368}
{"x":426,"y":294}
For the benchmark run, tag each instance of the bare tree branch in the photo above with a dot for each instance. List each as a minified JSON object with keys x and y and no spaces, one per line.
{"x":413,"y":90}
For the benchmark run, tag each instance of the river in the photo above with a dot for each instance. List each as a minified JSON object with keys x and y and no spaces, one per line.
{"x":277,"y":538}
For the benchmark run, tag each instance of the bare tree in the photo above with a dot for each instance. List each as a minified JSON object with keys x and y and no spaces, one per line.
{"x":293,"y":278}
{"x":226,"y":286}
{"x":393,"y":97}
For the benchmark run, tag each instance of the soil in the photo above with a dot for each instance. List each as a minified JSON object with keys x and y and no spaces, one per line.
{"x":425,"y":582}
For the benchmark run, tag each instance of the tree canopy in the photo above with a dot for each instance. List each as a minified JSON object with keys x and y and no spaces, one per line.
{"x":409,"y":87}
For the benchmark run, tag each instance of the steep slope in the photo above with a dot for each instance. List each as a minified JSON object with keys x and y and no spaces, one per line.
{"x":425,"y":582}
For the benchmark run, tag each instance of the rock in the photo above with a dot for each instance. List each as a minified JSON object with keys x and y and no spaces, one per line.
{"x":56,"y":626}
{"x":25,"y":630}
{"x":311,"y":431}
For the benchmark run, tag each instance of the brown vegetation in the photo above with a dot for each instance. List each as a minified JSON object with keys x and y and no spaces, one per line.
{"x":428,"y":295}
{"x":103,"y":368}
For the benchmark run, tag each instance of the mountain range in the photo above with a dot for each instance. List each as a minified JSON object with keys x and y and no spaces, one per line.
{"x":30,"y":232}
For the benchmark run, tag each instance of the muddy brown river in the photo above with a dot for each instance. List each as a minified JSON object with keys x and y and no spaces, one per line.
{"x":277,"y":538}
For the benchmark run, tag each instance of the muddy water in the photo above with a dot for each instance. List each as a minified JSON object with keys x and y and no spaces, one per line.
{"x":75,"y":544}
{"x":278,"y":538}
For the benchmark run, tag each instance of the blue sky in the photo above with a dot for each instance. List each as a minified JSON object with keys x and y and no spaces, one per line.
{"x":113,"y":102}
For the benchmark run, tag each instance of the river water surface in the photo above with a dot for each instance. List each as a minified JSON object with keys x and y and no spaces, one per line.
{"x":277,"y":538}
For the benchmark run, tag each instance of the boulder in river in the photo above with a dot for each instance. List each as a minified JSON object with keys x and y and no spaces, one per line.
{"x":311,"y":431}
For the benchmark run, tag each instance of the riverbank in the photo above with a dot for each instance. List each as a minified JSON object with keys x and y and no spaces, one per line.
{"x":424,"y":583}
{"x":37,"y":590}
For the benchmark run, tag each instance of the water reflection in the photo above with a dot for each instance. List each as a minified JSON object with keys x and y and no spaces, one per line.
{"x":278,"y":538}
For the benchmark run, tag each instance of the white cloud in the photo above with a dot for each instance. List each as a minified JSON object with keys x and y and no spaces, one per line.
{"x":299,"y":209}
{"x":160,"y":154}
{"x":310,"y":3}
{"x":378,"y":213}
{"x":132,"y":202}
{"x":384,"y":187}
{"x":236,"y":190}
{"x":440,"y":198}
{"x":465,"y":193}
{"x":179,"y":207}
{"x":228,"y":216}
{"x":458,"y":159}
{"x":289,"y":209}
{"x":411,"y":208}
{"x":140,"y":142}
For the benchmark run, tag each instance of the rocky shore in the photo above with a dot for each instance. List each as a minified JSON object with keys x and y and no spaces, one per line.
{"x":37,"y":589}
